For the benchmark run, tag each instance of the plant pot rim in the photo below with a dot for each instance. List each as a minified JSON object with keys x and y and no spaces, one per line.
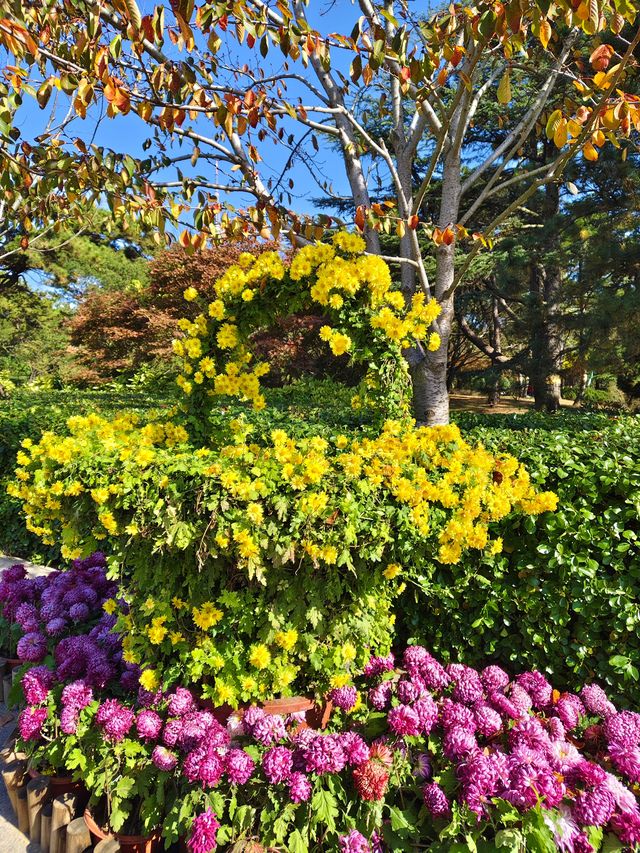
{"x":97,"y":830}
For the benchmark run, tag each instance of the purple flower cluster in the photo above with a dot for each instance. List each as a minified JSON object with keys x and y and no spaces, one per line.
{"x":511,"y":740}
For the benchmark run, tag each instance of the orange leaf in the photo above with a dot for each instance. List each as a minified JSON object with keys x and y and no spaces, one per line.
{"x":601,"y":57}
{"x":360,"y":217}
{"x":590,"y":152}
{"x":413,"y":222}
{"x":545,"y":33}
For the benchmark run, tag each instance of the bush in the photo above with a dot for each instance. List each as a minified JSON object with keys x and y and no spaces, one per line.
{"x":564,"y":596}
{"x":27,"y":414}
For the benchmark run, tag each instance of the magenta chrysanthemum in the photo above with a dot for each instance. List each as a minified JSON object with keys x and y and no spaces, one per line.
{"x":344,"y":698}
{"x":300,"y":787}
{"x":204,"y":832}
{"x":163,"y":758}
{"x":436,"y":800}
{"x":354,"y":842}
{"x":277,"y":764}
{"x":239,"y":766}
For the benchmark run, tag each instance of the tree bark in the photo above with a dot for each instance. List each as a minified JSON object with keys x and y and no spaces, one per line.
{"x":544,"y":290}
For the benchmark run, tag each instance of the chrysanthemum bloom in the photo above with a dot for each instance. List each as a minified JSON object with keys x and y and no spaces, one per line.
{"x":488,"y":721}
{"x":148,"y":724}
{"x":531,"y":733}
{"x":36,"y":683}
{"x":436,"y":800}
{"x":27,"y":617}
{"x":520,"y":700}
{"x":30,"y":723}
{"x":55,"y":627}
{"x":623,"y":728}
{"x":171,"y":733}
{"x":204,"y":831}
{"x":626,"y":759}
{"x":403,"y":721}
{"x":569,"y":708}
{"x":627,"y":827}
{"x":593,"y":808}
{"x":239,"y":766}
{"x":344,"y":698}
{"x":371,"y":780}
{"x":596,"y":701}
{"x":269,"y":729}
{"x":355,"y":749}
{"x":455,"y":715}
{"x":210,"y":770}
{"x":115,"y":719}
{"x":378,"y":665}
{"x":69,"y":720}
{"x":458,"y":742}
{"x":163,"y":758}
{"x":427,"y":712}
{"x":468,"y":687}
{"x":536,"y":686}
{"x":380,"y":696}
{"x":32,"y":647}
{"x":235,"y":726}
{"x":556,"y":728}
{"x":354,"y":842}
{"x":79,"y":612}
{"x":180,"y":702}
{"x":325,"y":754}
{"x":277,"y":764}
{"x":299,"y":787}
{"x":408,"y":690}
{"x":251,"y":716}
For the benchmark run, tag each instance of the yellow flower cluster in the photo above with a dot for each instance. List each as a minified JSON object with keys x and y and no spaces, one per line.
{"x":49,"y":502}
{"x":358,"y":288}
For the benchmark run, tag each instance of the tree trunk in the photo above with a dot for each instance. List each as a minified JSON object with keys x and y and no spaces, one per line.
{"x":429,"y":376}
{"x":544,"y":289}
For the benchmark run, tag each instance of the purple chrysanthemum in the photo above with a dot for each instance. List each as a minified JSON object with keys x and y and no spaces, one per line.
{"x":344,"y":698}
{"x":30,"y":722}
{"x":596,"y":701}
{"x":468,"y":687}
{"x":494,"y":678}
{"x":623,"y":728}
{"x":37,"y":683}
{"x":436,"y":800}
{"x":378,"y":665}
{"x":115,"y":719}
{"x":403,"y":721}
{"x":354,"y":842}
{"x":32,"y":647}
{"x":148,"y":725}
{"x":488,"y":721}
{"x":299,"y":787}
{"x":593,"y":808}
{"x":277,"y":764}
{"x":269,"y":729}
{"x":355,"y":749}
{"x":325,"y":754}
{"x":163,"y":758}
{"x":380,"y":696}
{"x":239,"y":766}
{"x":204,"y":832}
{"x":180,"y":702}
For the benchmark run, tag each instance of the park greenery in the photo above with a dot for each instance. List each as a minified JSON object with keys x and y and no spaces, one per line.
{"x":230,"y":332}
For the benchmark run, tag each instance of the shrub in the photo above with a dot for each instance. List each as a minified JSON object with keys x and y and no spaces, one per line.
{"x":290,"y":550}
{"x":27,"y":414}
{"x":564,"y":595}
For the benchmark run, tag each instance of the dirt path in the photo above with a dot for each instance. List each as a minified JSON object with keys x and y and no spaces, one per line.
{"x":506,"y":406}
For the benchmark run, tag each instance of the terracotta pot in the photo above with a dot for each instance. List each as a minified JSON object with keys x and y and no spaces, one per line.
{"x":128,"y":843}
{"x":316,"y":714}
{"x":13,"y":663}
{"x":59,"y":785}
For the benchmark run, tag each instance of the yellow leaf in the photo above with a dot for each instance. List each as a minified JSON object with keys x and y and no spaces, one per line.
{"x":504,"y":89}
{"x":545,"y":33}
{"x":561,"y":135}
{"x":590,"y":152}
{"x":552,"y":123}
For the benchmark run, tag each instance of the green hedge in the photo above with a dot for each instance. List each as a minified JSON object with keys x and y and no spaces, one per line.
{"x":564,"y":596}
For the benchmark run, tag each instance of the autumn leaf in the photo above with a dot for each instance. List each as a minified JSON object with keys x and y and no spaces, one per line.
{"x":504,"y":89}
{"x":601,"y":57}
{"x":413,"y":222}
{"x":590,"y":152}
{"x":545,"y":33}
{"x":360,"y":217}
{"x":552,"y":123}
{"x":561,"y":134}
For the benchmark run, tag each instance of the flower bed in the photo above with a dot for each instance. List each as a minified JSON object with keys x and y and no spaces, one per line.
{"x":416,"y":754}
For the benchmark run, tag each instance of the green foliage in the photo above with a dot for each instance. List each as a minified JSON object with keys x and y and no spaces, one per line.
{"x":564,"y":596}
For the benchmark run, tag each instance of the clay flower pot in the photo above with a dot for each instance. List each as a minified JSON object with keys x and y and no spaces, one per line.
{"x":128,"y":843}
{"x":59,"y":785}
{"x":316,"y":714}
